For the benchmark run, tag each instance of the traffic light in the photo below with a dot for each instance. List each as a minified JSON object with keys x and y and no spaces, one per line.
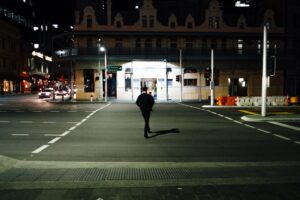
{"x":177,"y":78}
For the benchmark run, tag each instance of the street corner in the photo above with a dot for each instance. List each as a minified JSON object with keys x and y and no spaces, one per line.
{"x":6,"y":163}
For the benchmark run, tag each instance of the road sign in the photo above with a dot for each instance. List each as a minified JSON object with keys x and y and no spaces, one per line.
{"x":114,"y":68}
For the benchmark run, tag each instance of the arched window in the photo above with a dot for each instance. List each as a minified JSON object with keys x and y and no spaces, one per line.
{"x":242,"y":25}
{"x":173,"y":43}
{"x":89,"y":21}
{"x":158,"y":43}
{"x":119,"y":25}
{"x":172,"y":25}
{"x":138,"y":43}
{"x":89,"y":43}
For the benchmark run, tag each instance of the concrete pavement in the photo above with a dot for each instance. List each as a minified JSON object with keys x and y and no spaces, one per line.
{"x":147,"y":180}
{"x":22,"y":179}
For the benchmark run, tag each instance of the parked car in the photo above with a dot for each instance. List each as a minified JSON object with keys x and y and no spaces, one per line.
{"x":46,"y":93}
{"x":61,"y":93}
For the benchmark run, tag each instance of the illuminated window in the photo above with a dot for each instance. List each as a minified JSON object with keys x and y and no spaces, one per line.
{"x":240,"y":46}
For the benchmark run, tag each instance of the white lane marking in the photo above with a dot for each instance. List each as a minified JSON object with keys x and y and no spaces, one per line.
{"x":41,"y":148}
{"x":26,"y":122}
{"x":264,"y":131}
{"x":229,"y":118}
{"x":237,"y":122}
{"x":282,"y":137}
{"x":38,"y":150}
{"x":48,"y":122}
{"x":88,"y":111}
{"x":72,"y":111}
{"x":72,"y":128}
{"x":72,"y":122}
{"x":249,"y":126}
{"x":54,"y":140}
{"x":285,"y":125}
{"x":297,"y":142}
{"x":65,"y":133}
{"x":4,"y":121}
{"x":20,"y":134}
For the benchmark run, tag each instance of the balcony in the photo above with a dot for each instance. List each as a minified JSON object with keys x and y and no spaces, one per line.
{"x":171,"y":54}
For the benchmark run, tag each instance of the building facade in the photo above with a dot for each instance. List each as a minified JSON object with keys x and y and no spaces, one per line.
{"x":167,"y":47}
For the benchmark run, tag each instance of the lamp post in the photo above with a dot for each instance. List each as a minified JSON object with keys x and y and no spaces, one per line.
{"x":181,"y":74}
{"x":103,"y":49}
{"x":166,"y":79}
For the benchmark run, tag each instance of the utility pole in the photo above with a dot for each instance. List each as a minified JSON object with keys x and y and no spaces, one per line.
{"x":212,"y":86}
{"x":264,"y":75}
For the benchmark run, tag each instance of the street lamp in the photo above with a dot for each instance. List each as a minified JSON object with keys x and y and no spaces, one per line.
{"x":103,"y":49}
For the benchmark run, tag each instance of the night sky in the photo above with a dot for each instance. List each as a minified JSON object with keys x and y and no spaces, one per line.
{"x":55,"y":11}
{"x":62,"y":11}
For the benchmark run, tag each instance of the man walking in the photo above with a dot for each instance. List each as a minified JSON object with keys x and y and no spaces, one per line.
{"x":145,"y":101}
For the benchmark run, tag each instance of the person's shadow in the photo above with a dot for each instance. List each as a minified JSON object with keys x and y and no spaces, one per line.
{"x":164,"y":132}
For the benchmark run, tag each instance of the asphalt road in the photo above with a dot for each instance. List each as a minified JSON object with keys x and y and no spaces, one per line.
{"x":186,"y":137}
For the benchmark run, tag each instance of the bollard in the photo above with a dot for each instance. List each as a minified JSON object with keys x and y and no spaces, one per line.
{"x":91,"y":98}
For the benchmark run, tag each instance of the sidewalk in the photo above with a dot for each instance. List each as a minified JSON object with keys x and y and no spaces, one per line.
{"x":148,"y":180}
{"x":259,"y":118}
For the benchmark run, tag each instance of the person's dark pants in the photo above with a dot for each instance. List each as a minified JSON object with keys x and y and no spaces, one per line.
{"x":146,"y":116}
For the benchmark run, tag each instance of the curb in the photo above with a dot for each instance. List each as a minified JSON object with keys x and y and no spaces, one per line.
{"x":258,"y":118}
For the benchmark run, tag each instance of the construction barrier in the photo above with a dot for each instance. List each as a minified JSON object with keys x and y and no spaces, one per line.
{"x":253,"y":101}
{"x":294,"y":100}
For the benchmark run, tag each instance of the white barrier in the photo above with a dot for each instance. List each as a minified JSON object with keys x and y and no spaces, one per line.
{"x":256,"y":101}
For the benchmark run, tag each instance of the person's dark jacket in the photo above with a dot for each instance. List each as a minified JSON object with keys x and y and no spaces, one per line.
{"x":145,"y":102}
